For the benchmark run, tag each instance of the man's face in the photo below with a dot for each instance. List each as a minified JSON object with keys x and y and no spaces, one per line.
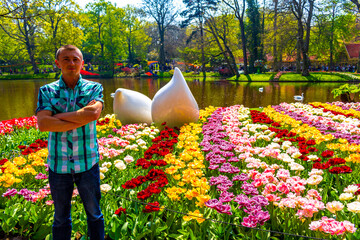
{"x":70,"y":62}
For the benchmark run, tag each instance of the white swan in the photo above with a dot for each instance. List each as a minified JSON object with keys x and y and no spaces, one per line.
{"x":298,"y":97}
{"x":174,"y":103}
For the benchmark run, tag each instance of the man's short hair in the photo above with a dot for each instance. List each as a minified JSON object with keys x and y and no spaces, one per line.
{"x":67,"y":47}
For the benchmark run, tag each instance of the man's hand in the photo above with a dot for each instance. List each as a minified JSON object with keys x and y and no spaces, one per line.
{"x":62,"y":122}
{"x":48,"y":123}
{"x":89,"y":113}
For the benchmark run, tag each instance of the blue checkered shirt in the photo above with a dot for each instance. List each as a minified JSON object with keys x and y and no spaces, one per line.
{"x":76,"y":150}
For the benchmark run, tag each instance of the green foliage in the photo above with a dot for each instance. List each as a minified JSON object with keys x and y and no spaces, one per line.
{"x":254,"y":33}
{"x":282,"y":36}
{"x":346,"y":90}
{"x":332,"y":28}
{"x":196,"y":10}
{"x":137,"y":42}
{"x":60,"y":22}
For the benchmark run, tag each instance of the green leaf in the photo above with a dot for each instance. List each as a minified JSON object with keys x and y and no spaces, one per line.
{"x":174,"y":235}
{"x":42,"y":233}
{"x":192,"y":236}
{"x":160,"y":229}
{"x":143,"y":234}
{"x":124,"y":227}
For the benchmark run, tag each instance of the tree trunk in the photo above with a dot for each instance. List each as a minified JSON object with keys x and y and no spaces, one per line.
{"x":129,"y":49}
{"x":332,"y":40}
{"x":162,"y":49}
{"x":32,"y":59}
{"x":131,"y":55}
{"x":223,"y":52}
{"x":306,"y":44}
{"x":101,"y":43}
{"x":30,"y":46}
{"x":233,"y":62}
{"x":202,"y":49}
{"x":239,"y":14}
{"x":302,"y":50}
{"x":243,"y":44}
{"x":275,"y":53}
{"x":331,"y":53}
{"x":226,"y":53}
{"x":306,"y":64}
{"x":298,"y":56}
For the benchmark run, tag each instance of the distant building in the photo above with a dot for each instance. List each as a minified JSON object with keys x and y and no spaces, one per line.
{"x":352,"y":51}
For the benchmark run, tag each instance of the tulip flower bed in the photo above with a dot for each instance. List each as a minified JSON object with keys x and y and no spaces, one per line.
{"x":292,"y":168}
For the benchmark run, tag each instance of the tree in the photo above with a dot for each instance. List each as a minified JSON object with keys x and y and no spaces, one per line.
{"x":357,"y":4}
{"x":275,"y":50}
{"x":332,"y":27}
{"x":96,"y":12}
{"x":239,"y":11}
{"x":175,"y":38}
{"x":11,"y":8}
{"x":221,"y":31}
{"x":164,"y":13}
{"x":136,"y":39}
{"x":303,"y":9}
{"x":27,"y":26}
{"x":113,"y":39}
{"x":280,"y":34}
{"x":11,"y":50}
{"x":196,"y":10}
{"x":254,"y":33}
{"x":55,"y":13}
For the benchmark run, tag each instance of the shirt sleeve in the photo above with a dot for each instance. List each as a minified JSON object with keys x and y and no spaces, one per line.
{"x":43,"y":101}
{"x":97,"y":94}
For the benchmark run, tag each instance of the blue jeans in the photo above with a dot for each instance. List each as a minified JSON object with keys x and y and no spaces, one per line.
{"x":88,"y":184}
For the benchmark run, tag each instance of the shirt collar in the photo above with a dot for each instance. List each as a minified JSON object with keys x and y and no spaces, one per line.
{"x":63,"y":85}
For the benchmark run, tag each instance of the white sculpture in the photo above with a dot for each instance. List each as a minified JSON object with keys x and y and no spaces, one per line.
{"x":174,"y":103}
{"x":132,"y":107}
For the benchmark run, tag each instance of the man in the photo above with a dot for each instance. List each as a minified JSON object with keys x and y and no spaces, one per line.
{"x":68,"y":109}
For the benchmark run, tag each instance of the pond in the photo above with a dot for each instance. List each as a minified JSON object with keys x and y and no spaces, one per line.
{"x":19,"y":97}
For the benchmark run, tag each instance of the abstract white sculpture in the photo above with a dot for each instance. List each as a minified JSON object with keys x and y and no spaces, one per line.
{"x":132,"y":107}
{"x":174,"y":103}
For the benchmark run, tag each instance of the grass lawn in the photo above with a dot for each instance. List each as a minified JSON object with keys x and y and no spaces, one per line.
{"x":293,"y":77}
{"x":27,"y":76}
{"x":315,"y":76}
{"x":262,"y":77}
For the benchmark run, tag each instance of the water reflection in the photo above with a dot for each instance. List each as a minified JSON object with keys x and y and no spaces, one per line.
{"x":19,"y":97}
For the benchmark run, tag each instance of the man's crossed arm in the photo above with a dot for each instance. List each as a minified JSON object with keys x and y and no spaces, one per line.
{"x":62,"y":122}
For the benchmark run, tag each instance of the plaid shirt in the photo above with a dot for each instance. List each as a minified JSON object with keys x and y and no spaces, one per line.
{"x":76,"y":150}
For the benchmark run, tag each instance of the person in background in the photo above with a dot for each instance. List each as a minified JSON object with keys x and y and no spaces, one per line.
{"x":68,"y":110}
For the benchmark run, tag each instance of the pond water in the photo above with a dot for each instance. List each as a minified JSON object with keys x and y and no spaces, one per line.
{"x":19,"y":97}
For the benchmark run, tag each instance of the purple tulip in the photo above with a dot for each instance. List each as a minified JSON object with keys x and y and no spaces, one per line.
{"x":241,"y":177}
{"x":212,"y":203}
{"x":250,"y":221}
{"x":226,"y":208}
{"x":10,"y":193}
